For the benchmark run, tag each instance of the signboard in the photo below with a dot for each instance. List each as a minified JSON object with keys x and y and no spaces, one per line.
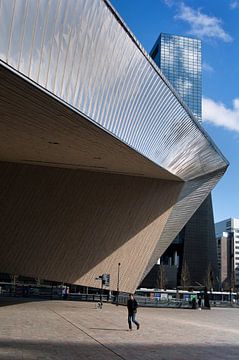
{"x":186,"y":297}
{"x":164,"y":296}
{"x":106,"y":279}
{"x":157,"y":295}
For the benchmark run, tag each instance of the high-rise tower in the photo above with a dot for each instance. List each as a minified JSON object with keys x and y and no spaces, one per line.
{"x":180,"y":60}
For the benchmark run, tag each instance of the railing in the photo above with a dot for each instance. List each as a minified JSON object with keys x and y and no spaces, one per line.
{"x":56,"y":293}
{"x":155,"y":302}
{"x":171,"y":303}
{"x":48,"y":292}
{"x":89,"y":297}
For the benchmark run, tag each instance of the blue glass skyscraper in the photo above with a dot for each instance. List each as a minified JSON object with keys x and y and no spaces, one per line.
{"x":180,"y":60}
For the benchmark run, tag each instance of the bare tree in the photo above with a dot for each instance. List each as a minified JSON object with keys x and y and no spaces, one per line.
{"x":185,"y":275}
{"x":226,"y":284}
{"x":232,"y":280}
{"x":14,"y":279}
{"x":162,"y":279}
{"x":209,"y":281}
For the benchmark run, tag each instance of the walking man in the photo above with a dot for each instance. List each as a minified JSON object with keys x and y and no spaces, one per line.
{"x":132,"y":310}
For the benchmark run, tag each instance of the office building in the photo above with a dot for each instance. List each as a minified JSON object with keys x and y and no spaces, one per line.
{"x":94,"y":172}
{"x":180,"y":60}
{"x":227,"y":234}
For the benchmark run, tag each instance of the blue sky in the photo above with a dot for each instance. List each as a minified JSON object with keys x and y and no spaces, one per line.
{"x":215,"y":22}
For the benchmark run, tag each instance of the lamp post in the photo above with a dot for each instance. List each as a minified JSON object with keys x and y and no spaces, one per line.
{"x":118,"y":283}
{"x":231,"y":264}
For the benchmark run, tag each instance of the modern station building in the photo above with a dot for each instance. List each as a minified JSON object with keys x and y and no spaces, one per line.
{"x":101,"y":161}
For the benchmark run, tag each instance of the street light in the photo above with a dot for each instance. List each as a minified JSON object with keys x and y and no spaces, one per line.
{"x":118,"y":283}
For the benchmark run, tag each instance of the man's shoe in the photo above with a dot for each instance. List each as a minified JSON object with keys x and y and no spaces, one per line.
{"x":138,"y":327}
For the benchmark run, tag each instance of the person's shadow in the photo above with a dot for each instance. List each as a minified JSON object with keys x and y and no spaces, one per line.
{"x":107,"y":329}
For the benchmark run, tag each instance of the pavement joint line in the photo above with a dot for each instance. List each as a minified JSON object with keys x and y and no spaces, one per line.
{"x":90,"y":336}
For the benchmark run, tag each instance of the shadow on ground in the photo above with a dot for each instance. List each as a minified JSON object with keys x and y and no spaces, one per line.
{"x":8,"y":301}
{"x":19,"y":349}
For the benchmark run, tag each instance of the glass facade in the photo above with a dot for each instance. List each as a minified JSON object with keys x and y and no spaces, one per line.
{"x":179,"y":58}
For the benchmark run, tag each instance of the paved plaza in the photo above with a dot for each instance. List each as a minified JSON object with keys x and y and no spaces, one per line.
{"x":76,"y":330}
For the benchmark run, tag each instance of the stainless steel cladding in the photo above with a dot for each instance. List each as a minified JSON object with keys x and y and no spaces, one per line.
{"x":81,"y":52}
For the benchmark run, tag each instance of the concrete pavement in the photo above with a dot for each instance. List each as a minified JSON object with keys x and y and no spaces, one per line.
{"x":76,"y":330}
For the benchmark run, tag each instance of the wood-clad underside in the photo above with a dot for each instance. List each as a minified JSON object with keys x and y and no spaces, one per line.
{"x":73,"y":225}
{"x":36,"y":128}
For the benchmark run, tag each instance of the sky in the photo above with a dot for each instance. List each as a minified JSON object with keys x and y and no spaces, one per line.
{"x":215,"y":22}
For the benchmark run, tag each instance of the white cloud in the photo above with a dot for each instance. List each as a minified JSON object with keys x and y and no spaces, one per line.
{"x":218,"y":114}
{"x":169,"y":3}
{"x":207,"y":67}
{"x":201,"y":24}
{"x":234,"y":5}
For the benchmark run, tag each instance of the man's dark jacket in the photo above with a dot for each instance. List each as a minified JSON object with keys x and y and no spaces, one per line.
{"x":132,"y":306}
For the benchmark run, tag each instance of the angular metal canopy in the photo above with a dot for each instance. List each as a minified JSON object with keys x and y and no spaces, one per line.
{"x":78,"y":92}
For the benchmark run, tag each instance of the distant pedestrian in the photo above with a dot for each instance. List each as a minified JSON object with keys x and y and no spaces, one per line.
{"x":199,"y":302}
{"x":65,"y":292}
{"x":194,"y":303}
{"x":132,"y":306}
{"x":206,"y":299}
